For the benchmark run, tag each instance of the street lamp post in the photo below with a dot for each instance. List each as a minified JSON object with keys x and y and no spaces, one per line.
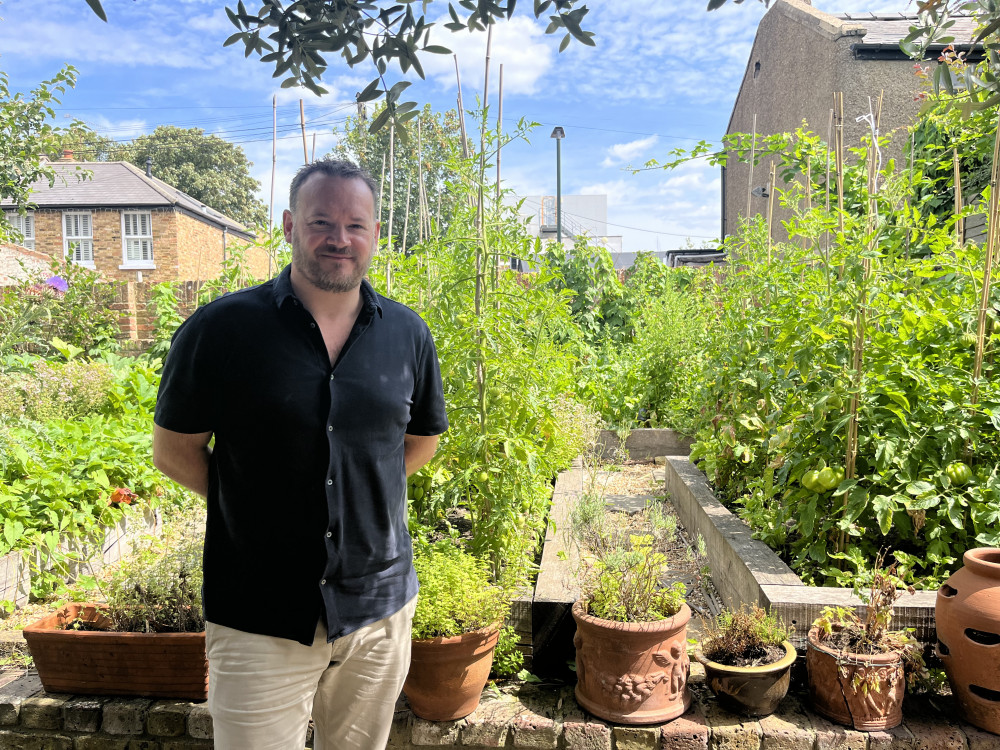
{"x":558,"y":134}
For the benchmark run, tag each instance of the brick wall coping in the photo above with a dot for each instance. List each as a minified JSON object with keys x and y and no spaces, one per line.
{"x":531,"y":716}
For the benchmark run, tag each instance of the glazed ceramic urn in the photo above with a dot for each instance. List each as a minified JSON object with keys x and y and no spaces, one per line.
{"x":968,"y":636}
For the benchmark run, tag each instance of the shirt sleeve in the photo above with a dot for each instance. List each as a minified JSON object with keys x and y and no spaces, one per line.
{"x":428,"y":415}
{"x":185,"y":401}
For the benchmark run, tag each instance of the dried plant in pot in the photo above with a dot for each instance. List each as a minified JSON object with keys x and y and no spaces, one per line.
{"x":148,"y":637}
{"x":747,"y":658}
{"x":456,"y":626}
{"x":857,"y":664}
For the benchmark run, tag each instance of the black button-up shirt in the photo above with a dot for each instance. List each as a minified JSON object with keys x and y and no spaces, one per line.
{"x":307,"y":512}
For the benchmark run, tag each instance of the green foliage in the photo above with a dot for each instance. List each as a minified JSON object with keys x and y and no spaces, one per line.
{"x":434,"y":144}
{"x":746,"y":634}
{"x":157,"y":589}
{"x":73,"y":305}
{"x":28,"y":135}
{"x":507,"y":656}
{"x":46,"y":390}
{"x":622,"y":581}
{"x":294,"y":38}
{"x":505,"y":376}
{"x":206,"y":167}
{"x":771,"y":389}
{"x":844,"y":630}
{"x":166,"y":308}
{"x":57,"y":475}
{"x":457,"y":594}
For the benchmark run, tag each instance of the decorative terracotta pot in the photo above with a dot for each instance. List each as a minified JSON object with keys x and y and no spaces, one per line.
{"x":632,"y":672}
{"x":752,"y":691}
{"x":831,"y":673}
{"x":98,"y":662}
{"x":447,"y":675}
{"x":967,"y":615}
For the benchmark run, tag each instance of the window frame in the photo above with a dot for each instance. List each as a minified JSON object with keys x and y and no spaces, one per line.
{"x":67,"y":239}
{"x":140,"y":264}
{"x":25,"y":225}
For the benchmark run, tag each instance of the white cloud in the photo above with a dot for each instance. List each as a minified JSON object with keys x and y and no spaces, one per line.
{"x":519,"y":45}
{"x":624,"y":153}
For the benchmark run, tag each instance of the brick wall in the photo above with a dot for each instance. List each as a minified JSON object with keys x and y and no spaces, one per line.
{"x":137,"y":318}
{"x":183,"y":247}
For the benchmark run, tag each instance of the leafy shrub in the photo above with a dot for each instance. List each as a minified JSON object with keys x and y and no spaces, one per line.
{"x":456,"y":592}
{"x":157,"y":589}
{"x":744,"y":634}
{"x":52,"y":390}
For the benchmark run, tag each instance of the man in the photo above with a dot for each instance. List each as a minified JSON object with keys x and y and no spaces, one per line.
{"x":322,"y":396}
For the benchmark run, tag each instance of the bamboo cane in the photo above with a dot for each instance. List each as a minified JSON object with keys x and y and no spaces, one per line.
{"x":959,"y":221}
{"x":991,"y":245}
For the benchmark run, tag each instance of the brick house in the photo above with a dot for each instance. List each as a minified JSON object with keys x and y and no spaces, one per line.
{"x":801,"y":57}
{"x":129,"y":226}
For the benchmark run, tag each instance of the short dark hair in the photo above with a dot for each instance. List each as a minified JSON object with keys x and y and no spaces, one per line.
{"x":341,"y":168}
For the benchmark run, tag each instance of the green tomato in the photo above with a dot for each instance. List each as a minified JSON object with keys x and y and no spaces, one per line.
{"x":996,"y":325}
{"x":483,"y":476}
{"x":810,"y":480}
{"x":969,"y":340}
{"x":418,"y":493}
{"x":827,"y":479}
{"x":959,"y":473}
{"x":835,"y":401}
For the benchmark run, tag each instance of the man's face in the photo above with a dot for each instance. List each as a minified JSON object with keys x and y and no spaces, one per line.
{"x":333,"y":232}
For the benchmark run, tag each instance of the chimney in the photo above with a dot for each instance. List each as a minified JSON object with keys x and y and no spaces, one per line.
{"x":67,"y":155}
{"x":149,"y":166}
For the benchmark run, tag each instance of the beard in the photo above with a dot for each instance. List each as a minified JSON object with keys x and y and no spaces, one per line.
{"x":343,"y":278}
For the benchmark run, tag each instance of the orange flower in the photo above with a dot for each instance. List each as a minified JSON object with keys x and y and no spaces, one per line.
{"x":122,"y":496}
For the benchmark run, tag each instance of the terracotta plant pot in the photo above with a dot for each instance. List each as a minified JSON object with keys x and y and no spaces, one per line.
{"x":447,"y":675}
{"x":96,"y":662}
{"x":632,"y":672}
{"x":967,"y":615}
{"x":751,"y":691}
{"x":831,"y":673}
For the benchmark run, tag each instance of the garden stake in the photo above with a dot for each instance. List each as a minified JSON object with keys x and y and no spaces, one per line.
{"x":461,"y":123}
{"x":753,"y":148}
{"x":826,"y":187}
{"x":991,"y":246}
{"x":406,"y":216}
{"x":959,"y":221}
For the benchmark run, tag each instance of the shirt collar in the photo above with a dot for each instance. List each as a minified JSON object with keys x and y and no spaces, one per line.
{"x":283,"y":291}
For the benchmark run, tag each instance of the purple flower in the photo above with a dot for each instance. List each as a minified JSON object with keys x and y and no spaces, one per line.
{"x":58,"y":283}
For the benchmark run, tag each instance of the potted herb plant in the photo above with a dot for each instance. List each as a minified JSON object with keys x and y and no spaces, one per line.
{"x":631,"y":635}
{"x":747,"y":658}
{"x":856,"y":663}
{"x":148,"y":637}
{"x":456,"y":626}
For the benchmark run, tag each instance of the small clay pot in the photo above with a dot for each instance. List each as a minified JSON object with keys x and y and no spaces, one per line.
{"x":751,"y":691}
{"x":967,"y":614}
{"x":632,"y":672}
{"x":447,"y":675}
{"x":831,"y":673}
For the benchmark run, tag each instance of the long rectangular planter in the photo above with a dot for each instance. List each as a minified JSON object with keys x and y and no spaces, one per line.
{"x":745,"y":569}
{"x":99,"y":662}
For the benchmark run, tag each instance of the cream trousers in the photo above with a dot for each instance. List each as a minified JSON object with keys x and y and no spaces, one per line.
{"x":262,"y":690}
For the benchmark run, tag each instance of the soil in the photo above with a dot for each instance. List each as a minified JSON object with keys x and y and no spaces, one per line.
{"x":630,"y":488}
{"x":757,"y":658}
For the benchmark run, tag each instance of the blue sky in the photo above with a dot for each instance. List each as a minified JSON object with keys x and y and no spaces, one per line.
{"x":664,"y":74}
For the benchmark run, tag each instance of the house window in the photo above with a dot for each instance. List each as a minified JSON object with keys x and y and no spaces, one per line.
{"x":137,"y":231}
{"x":25,"y":225}
{"x":78,"y":237}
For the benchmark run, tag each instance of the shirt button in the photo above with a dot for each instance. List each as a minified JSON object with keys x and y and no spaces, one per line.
{"x":329,"y":482}
{"x":331,"y":376}
{"x":323,"y":582}
{"x":312,"y":325}
{"x":329,"y":534}
{"x":329,"y":428}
